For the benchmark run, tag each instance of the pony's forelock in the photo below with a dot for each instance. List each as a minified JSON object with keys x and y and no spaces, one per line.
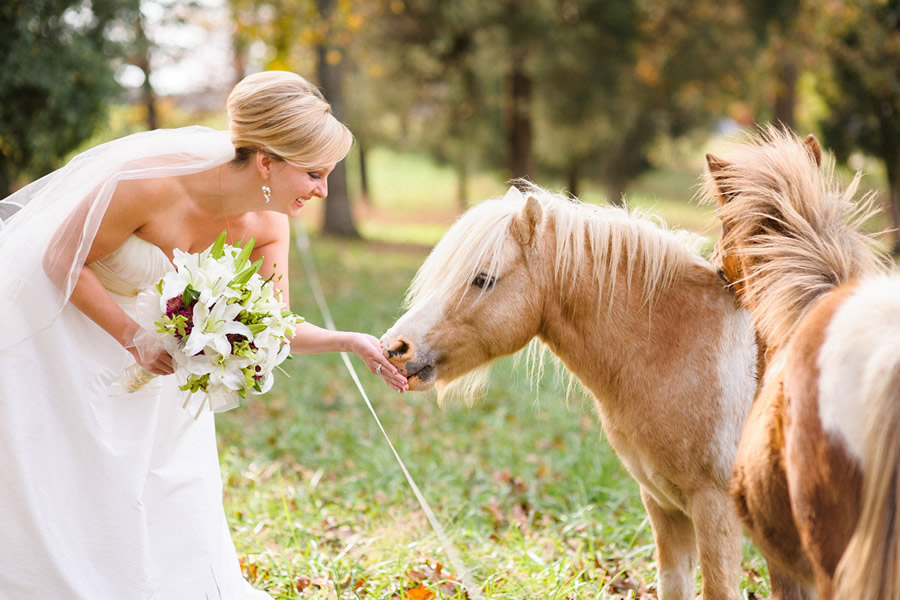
{"x":472,"y":244}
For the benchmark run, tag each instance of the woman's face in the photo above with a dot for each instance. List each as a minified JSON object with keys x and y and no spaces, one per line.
{"x":292,"y":187}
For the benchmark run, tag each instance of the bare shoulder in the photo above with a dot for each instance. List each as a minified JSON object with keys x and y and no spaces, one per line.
{"x":134,"y":205}
{"x":268,"y":227}
{"x":145,"y":197}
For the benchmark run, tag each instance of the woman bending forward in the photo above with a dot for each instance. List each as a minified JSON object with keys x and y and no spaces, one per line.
{"x":109,"y":495}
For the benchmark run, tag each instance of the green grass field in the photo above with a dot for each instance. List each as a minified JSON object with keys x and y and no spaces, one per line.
{"x":524,"y":482}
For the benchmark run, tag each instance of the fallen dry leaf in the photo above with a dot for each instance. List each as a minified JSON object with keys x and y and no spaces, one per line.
{"x":418,"y":593}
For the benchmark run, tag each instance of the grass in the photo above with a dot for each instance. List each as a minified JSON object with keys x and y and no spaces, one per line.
{"x":524,"y":483}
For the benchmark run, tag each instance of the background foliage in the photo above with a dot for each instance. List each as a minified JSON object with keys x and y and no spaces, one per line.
{"x":570,"y":91}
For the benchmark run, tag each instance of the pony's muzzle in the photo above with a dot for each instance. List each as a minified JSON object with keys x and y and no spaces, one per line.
{"x":400,"y":349}
{"x":404,"y":355}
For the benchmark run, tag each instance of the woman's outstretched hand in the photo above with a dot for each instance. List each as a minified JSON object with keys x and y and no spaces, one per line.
{"x":368,"y":348}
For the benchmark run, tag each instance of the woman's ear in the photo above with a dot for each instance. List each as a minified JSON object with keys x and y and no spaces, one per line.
{"x":263,"y":164}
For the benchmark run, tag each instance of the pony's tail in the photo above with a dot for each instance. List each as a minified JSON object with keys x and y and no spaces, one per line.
{"x":870,"y":566}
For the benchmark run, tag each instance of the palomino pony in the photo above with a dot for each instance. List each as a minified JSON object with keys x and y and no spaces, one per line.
{"x":639,"y":318}
{"x":816,"y":478}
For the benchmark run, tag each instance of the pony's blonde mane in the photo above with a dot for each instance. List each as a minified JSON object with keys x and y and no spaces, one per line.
{"x":798,"y":232}
{"x":607,"y":236}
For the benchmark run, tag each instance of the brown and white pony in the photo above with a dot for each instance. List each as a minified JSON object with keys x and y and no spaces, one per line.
{"x":816,"y":478}
{"x":639,"y":318}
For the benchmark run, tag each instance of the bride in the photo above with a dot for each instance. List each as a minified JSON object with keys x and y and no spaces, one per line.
{"x":114,"y":495}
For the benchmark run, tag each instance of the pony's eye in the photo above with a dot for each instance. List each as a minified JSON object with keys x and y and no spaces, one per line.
{"x":483,"y":281}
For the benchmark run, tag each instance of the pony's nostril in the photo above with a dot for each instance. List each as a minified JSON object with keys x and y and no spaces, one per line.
{"x":399,"y":349}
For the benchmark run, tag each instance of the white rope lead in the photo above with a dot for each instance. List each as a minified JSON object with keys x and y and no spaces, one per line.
{"x":301,"y":240}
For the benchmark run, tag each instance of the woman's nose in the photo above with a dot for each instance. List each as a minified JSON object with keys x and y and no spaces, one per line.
{"x":322,"y":189}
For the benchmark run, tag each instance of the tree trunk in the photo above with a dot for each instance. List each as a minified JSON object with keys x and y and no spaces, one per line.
{"x":786,"y":74}
{"x":149,"y":97}
{"x":338,"y":218}
{"x":615,"y":193}
{"x":363,"y":175}
{"x":893,"y":176}
{"x":148,"y":94}
{"x":572,"y":177}
{"x":6,"y":180}
{"x":518,"y":119}
{"x":239,"y":48}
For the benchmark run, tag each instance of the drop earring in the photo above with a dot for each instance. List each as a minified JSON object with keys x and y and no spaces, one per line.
{"x":267,"y":192}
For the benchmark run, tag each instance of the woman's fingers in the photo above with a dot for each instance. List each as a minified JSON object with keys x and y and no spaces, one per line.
{"x":381,"y":366}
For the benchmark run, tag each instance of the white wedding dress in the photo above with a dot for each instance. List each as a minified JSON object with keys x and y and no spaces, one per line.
{"x":104,"y":494}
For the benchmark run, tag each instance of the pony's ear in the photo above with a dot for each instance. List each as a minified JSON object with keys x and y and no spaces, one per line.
{"x":812,"y":144}
{"x":524,"y":225}
{"x":718,"y":168}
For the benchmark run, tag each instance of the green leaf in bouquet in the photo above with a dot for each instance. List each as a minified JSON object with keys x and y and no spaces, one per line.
{"x":245,"y":275}
{"x":196,"y":384}
{"x":189,"y":296}
{"x":176,"y":324}
{"x":242,"y":348}
{"x":256,"y":328}
{"x":244,"y":257}
{"x":217,"y":250}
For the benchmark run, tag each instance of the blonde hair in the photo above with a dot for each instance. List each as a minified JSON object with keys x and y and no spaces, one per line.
{"x":286,"y":116}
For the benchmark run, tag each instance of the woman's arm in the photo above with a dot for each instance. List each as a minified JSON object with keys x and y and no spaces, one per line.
{"x":90,"y":297}
{"x":126,"y":212}
{"x":308,"y":338}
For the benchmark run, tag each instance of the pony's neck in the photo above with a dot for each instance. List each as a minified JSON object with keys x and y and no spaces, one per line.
{"x":616,"y":342}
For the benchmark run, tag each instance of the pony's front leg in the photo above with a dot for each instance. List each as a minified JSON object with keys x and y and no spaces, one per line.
{"x":760,"y":492}
{"x":719,"y":538}
{"x":676,"y":550}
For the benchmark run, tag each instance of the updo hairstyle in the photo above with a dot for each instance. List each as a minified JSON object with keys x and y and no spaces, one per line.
{"x":287,"y":117}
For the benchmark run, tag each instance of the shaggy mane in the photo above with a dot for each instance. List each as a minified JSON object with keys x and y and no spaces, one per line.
{"x":799,"y":230}
{"x":604,"y":235}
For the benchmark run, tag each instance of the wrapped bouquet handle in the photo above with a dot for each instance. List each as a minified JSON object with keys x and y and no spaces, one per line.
{"x":135,"y":377}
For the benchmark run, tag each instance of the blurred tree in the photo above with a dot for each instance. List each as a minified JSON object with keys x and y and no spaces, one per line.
{"x":570,"y":87}
{"x":331,"y":56}
{"x":862,"y":42}
{"x":624,"y":75}
{"x":141,"y":55}
{"x":785,"y":28}
{"x":583,"y":85}
{"x":306,"y":36}
{"x":55,"y":79}
{"x":149,"y":54}
{"x":439,"y":80}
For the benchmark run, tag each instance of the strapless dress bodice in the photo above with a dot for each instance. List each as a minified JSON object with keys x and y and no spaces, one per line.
{"x":131,"y":267}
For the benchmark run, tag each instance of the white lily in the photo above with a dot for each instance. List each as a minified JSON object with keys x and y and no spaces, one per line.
{"x":212,"y":325}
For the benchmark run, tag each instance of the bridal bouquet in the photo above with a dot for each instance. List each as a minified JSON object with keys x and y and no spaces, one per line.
{"x":222,"y":323}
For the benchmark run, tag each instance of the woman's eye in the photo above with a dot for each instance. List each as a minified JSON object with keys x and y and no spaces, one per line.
{"x":315,"y":176}
{"x":484,"y":281}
